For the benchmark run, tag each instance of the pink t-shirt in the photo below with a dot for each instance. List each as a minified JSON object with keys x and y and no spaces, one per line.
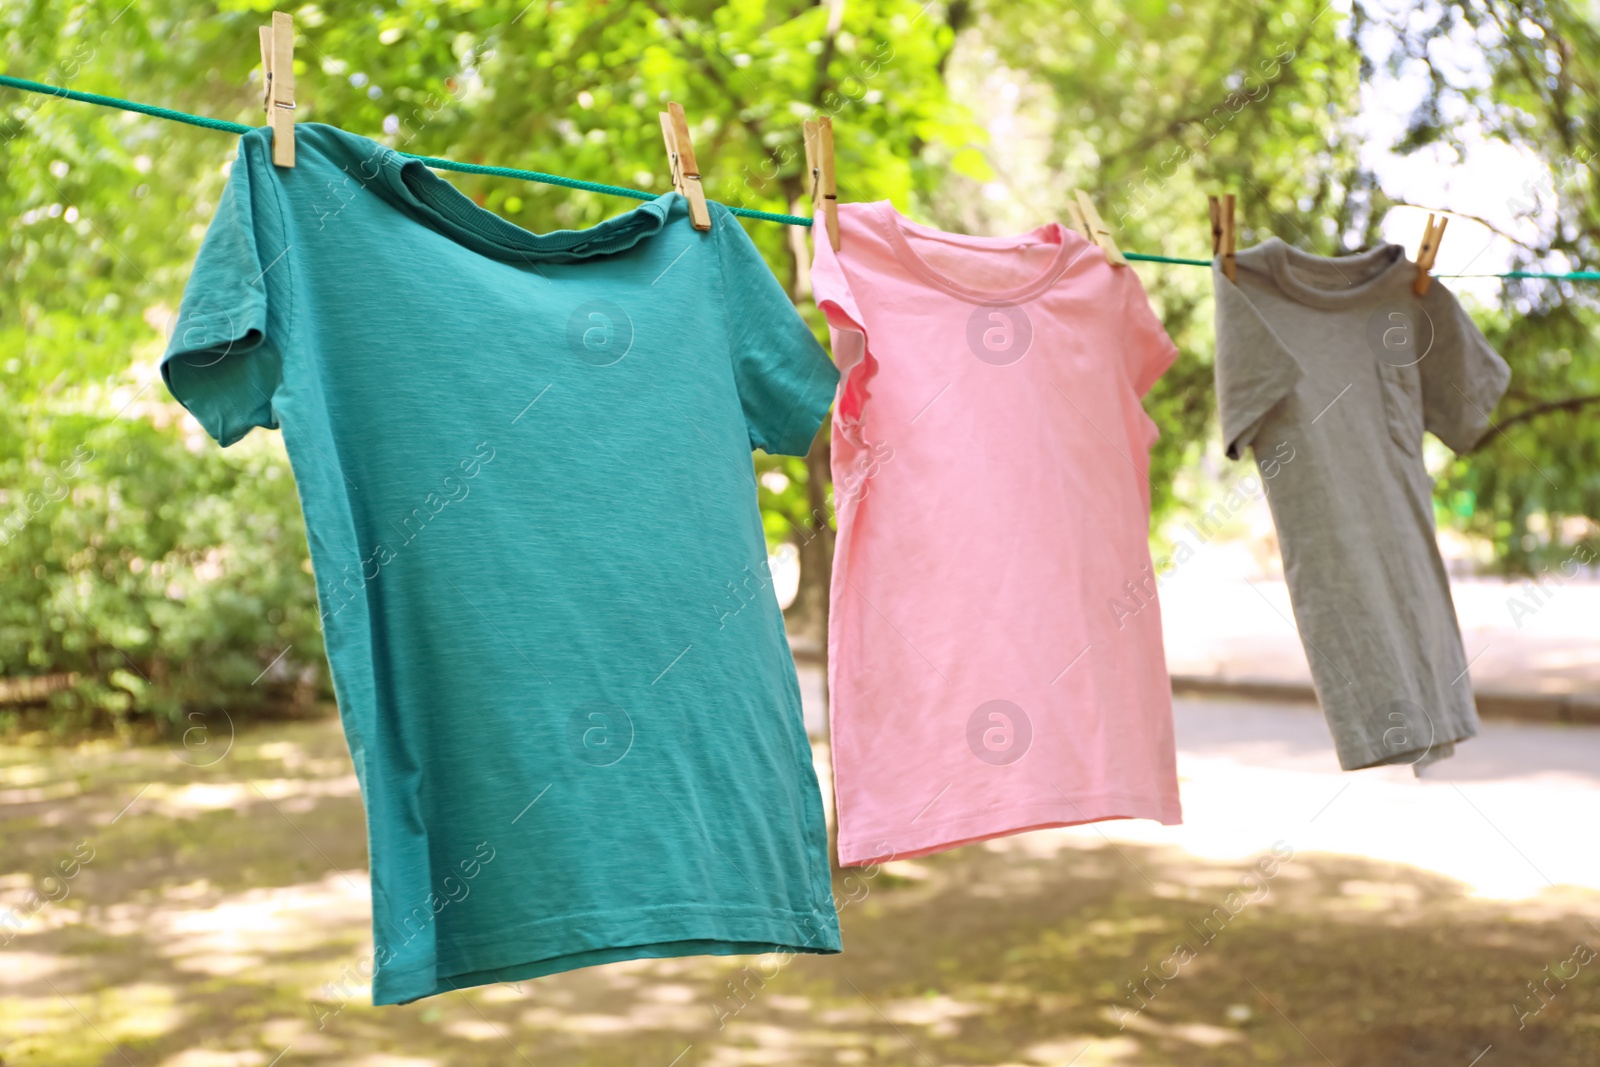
{"x":994,"y":645}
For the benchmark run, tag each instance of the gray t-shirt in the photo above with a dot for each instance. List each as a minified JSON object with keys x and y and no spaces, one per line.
{"x":1336,"y":363}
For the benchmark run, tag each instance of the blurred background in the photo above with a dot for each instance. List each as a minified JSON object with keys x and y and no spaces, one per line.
{"x":182,"y":859}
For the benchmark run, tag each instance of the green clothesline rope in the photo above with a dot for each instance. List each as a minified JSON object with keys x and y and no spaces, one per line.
{"x":600,"y":187}
{"x":1142,"y":258}
{"x":1570,"y":276}
{"x":439,"y":164}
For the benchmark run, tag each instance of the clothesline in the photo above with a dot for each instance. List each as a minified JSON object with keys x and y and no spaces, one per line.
{"x":600,"y":187}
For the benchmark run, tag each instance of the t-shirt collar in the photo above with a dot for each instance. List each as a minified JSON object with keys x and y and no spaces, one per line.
{"x":443,"y":207}
{"x":1361,"y":274}
{"x":1069,"y":249}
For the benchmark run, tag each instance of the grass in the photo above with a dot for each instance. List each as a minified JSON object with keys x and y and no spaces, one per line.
{"x":225,"y":895}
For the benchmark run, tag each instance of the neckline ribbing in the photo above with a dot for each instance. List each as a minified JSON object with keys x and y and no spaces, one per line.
{"x":446,"y":209}
{"x":896,"y":226}
{"x":1366,"y":272}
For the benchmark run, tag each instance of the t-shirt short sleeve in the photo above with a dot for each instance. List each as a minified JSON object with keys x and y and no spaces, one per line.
{"x":1255,"y":371}
{"x":222,"y":362}
{"x":784,"y":378}
{"x":1462,"y":379}
{"x":847,"y":328}
{"x":1148,"y":350}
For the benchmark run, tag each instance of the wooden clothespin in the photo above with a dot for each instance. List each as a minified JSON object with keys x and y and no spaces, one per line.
{"x":1222,"y":232}
{"x":1075,"y":219}
{"x":819,"y":169}
{"x":277,"y":76}
{"x":685,"y":169}
{"x":1431,"y":236}
{"x":1096,"y":229}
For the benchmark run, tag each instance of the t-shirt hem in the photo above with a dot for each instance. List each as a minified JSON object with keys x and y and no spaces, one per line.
{"x":216,"y":335}
{"x":597,"y":957}
{"x":1166,"y":356}
{"x":567,"y":942}
{"x":810,"y":410}
{"x":1240,"y":428}
{"x":1360,"y":757}
{"x":858,"y":847}
{"x":1475,"y":431}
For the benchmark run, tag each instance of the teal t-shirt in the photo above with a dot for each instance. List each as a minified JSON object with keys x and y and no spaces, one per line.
{"x":524,"y":462}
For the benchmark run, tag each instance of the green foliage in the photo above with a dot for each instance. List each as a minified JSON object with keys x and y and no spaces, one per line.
{"x":1543,"y":95}
{"x":1153,"y":109}
{"x":1544,"y":465}
{"x":161,"y":572}
{"x":164,"y":574}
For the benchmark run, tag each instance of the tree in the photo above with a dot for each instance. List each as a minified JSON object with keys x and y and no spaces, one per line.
{"x":1543,"y":464}
{"x":147,"y":572}
{"x":111,"y":209}
{"x":1153,"y":110}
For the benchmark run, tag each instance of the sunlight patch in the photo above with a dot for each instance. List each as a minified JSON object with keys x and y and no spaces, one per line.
{"x":1085,"y":1051}
{"x":206,"y":932}
{"x":940,"y":1014}
{"x":21,"y":968}
{"x":475,"y":1030}
{"x":197,"y":798}
{"x":206,"y":1057}
{"x":1203,"y":1034}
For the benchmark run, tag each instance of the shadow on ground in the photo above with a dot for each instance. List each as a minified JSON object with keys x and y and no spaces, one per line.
{"x":221,"y":913}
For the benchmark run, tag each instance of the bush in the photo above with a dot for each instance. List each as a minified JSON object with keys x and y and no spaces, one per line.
{"x":147,"y":575}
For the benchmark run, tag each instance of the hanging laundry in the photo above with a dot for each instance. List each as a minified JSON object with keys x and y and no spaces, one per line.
{"x":1341,"y":362}
{"x":524,"y":461}
{"x":995,"y":652}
